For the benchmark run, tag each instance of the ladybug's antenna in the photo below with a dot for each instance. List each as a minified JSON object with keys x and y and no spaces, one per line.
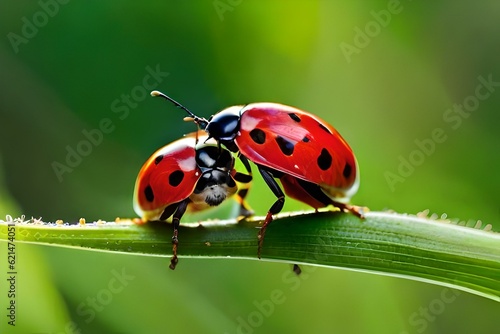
{"x":198,"y":120}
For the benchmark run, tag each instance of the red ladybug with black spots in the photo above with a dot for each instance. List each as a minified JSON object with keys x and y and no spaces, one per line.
{"x":311,"y":159}
{"x":186,"y":176}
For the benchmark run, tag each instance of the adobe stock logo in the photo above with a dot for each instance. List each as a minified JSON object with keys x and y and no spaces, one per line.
{"x":264,"y":309}
{"x":30,"y":27}
{"x":222,"y":6}
{"x":427,"y":314}
{"x":105,"y":296}
{"x":98,"y":302}
{"x":452,"y":117}
{"x":119,"y":106}
{"x":373,"y":28}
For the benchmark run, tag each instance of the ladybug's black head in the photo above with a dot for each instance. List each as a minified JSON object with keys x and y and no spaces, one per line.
{"x":216,"y":182}
{"x":224,"y":126}
{"x":211,"y":157}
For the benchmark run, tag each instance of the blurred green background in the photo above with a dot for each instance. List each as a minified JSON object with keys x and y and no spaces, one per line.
{"x":385,"y":74}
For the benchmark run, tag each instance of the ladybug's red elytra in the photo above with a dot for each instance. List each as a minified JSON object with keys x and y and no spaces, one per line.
{"x":311,"y":159}
{"x":186,"y":176}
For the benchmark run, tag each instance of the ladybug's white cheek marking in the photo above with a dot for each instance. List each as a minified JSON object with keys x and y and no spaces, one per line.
{"x":187,"y":164}
{"x":250,"y":123}
{"x":216,"y":195}
{"x":213,"y":195}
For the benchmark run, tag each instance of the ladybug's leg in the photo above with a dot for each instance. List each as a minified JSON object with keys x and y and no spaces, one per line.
{"x":245,"y":210}
{"x":275,"y":208}
{"x":315,"y":192}
{"x":358,"y":211}
{"x":296,"y":269}
{"x":176,"y":219}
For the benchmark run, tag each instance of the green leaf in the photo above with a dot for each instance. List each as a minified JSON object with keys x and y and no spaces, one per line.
{"x":418,"y":248}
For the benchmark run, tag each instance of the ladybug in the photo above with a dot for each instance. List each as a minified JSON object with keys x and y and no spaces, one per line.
{"x":311,"y":159}
{"x":186,"y":176}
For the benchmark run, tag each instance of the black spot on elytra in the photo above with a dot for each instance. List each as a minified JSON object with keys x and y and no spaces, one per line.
{"x":285,"y":146}
{"x":324,"y":128}
{"x":175,"y":178}
{"x":258,"y":136}
{"x":347,"y":170}
{"x":158,"y":159}
{"x":294,"y":117}
{"x":305,"y":139}
{"x":324,"y":159}
{"x":148,"y":192}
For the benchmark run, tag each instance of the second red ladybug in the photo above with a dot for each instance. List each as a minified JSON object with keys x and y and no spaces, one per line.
{"x":186,"y":176}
